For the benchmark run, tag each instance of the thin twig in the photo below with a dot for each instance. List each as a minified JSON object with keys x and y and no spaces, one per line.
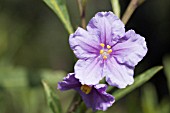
{"x":82,"y":10}
{"x":80,"y":6}
{"x":130,"y":9}
{"x":74,"y":104}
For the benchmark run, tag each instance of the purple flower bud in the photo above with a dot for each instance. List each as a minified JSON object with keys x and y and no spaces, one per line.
{"x":95,"y":97}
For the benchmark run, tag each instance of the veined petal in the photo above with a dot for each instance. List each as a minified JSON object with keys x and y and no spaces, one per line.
{"x":131,"y":49}
{"x":89,"y":71}
{"x":69,"y":82}
{"x":117,"y":74}
{"x":83,"y":44}
{"x":98,"y":99}
{"x":107,"y":26}
{"x":104,"y":100}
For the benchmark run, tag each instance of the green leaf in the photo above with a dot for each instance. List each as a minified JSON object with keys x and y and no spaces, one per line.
{"x":52,"y":99}
{"x":166,"y":63}
{"x":139,"y":80}
{"x":59,"y":7}
{"x":116,"y":7}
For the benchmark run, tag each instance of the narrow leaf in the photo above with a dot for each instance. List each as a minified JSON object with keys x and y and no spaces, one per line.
{"x":59,"y":7}
{"x":116,"y":7}
{"x":139,"y":80}
{"x":52,"y":99}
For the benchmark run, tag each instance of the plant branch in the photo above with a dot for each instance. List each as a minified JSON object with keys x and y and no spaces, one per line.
{"x":130,"y":9}
{"x":82,"y":8}
{"x":116,"y":7}
{"x":74,"y":104}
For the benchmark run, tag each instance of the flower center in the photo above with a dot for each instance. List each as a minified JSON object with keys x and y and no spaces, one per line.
{"x":105,"y":51}
{"x":86,"y":89}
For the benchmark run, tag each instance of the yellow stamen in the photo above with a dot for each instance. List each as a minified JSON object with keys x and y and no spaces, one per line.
{"x":109,"y":51}
{"x":101,"y":51}
{"x":102,"y":45}
{"x":108,"y":46}
{"x":104,"y":57}
{"x":86,"y":89}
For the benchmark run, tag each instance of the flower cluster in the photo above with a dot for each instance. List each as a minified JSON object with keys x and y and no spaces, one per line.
{"x":103,"y":50}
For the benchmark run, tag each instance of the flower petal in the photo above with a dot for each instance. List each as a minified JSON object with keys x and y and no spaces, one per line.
{"x":69,"y":82}
{"x":83,"y":44}
{"x":89,"y":71}
{"x":98,"y":99}
{"x":107,"y":26}
{"x":131,"y":49}
{"x":117,"y":74}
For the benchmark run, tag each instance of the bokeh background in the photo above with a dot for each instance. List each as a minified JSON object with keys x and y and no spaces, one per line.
{"x":34,"y":46}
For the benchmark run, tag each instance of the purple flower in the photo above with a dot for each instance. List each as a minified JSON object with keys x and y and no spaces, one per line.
{"x":106,"y":50}
{"x":93,"y":96}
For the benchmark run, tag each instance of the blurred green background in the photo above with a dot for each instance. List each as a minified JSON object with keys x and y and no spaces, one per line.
{"x":34,"y":46}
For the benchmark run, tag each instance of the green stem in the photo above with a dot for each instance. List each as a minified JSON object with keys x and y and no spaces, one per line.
{"x":116,"y":7}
